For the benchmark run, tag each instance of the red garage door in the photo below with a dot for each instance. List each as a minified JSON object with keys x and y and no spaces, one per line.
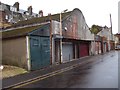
{"x":84,"y":49}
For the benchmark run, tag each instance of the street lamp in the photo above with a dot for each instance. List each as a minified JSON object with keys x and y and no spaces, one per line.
{"x":61,"y":57}
{"x":61,"y":21}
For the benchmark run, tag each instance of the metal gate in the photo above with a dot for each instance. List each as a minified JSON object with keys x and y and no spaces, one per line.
{"x":40,"y":52}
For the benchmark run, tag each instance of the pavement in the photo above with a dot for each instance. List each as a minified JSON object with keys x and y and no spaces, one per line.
{"x":46,"y":72}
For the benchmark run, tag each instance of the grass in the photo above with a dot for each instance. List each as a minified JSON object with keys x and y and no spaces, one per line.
{"x":10,"y":71}
{"x":19,"y":31}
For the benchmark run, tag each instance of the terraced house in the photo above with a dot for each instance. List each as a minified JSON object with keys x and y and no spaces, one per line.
{"x":107,"y":39}
{"x":12,"y":14}
{"x":36,"y":43}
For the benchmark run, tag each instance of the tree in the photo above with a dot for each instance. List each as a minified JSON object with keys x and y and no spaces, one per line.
{"x":95,"y":29}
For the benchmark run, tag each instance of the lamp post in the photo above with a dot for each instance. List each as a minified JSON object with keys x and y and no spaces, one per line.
{"x":61,"y":57}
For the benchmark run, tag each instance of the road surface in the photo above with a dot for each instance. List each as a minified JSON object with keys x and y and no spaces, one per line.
{"x":102,"y":73}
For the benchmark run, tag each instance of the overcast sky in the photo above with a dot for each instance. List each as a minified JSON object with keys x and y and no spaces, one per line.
{"x":95,"y":11}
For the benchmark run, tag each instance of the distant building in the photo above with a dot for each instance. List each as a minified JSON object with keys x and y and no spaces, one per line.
{"x":12,"y":14}
{"x":117,"y":40}
{"x":108,"y":39}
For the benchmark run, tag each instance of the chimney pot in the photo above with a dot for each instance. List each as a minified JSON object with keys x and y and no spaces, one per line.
{"x":16,"y":5}
{"x":40,"y":13}
{"x":30,"y":10}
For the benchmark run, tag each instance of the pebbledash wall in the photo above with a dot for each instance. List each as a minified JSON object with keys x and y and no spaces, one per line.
{"x":14,"y":52}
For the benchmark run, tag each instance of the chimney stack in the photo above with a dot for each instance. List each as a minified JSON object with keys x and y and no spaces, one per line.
{"x":16,"y":5}
{"x":49,"y":14}
{"x":30,"y":10}
{"x":40,"y":13}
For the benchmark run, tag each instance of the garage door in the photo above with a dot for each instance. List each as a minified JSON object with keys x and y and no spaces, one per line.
{"x":67,"y":51}
{"x":84,"y":49}
{"x":40,"y":52}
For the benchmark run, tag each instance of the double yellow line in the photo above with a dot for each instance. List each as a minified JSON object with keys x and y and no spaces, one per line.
{"x":30,"y":81}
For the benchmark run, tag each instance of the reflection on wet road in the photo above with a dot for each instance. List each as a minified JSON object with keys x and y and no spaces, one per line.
{"x":102,"y":73}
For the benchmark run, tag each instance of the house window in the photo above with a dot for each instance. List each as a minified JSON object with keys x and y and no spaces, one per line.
{"x":6,"y":17}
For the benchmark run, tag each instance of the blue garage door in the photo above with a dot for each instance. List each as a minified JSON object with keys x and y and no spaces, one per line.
{"x":40,"y":52}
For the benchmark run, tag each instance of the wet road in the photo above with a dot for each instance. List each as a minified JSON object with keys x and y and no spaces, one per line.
{"x":103,"y":73}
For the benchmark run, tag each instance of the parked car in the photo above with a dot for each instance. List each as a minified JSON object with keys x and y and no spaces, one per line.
{"x":117,"y":47}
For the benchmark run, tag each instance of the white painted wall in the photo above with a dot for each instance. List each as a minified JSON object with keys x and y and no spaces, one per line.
{"x":55,"y":27}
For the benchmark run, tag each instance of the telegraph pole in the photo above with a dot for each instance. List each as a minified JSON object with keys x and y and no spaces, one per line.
{"x":111,"y":25}
{"x":50,"y":39}
{"x":61,"y":56}
{"x":113,"y":43}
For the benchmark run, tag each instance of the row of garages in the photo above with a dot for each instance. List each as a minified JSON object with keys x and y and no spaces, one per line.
{"x":33,"y":52}
{"x":71,"y":50}
{"x":79,"y":49}
{"x":74,"y":50}
{"x":35,"y":47}
{"x":31,"y":49}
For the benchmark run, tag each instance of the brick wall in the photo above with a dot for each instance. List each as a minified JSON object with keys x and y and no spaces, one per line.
{"x":2,"y":16}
